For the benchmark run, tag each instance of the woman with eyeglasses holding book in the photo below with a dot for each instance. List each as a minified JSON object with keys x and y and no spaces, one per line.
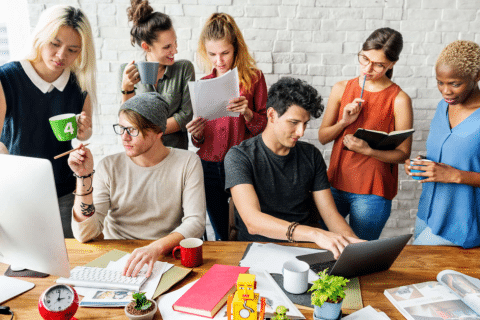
{"x":221,"y":48}
{"x":56,"y":77}
{"x":364,"y":180}
{"x":449,"y":207}
{"x":154,"y":33}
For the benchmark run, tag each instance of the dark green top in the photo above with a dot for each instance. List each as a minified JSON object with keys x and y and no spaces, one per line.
{"x":173,"y":87}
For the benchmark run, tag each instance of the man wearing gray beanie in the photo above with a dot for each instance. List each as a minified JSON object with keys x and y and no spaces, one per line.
{"x":150,"y":191}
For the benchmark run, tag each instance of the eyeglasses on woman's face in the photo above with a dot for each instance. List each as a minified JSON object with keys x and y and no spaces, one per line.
{"x":133,"y":132}
{"x":377,"y":66}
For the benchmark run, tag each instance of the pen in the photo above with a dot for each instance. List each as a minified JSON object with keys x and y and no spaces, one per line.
{"x":363,"y":87}
{"x":68,"y":152}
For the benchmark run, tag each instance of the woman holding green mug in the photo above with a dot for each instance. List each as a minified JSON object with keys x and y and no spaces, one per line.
{"x":56,"y":77}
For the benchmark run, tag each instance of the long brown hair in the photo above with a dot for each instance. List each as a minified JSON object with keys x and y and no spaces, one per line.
{"x":388,"y":40}
{"x":221,"y":26}
{"x":146,"y":22}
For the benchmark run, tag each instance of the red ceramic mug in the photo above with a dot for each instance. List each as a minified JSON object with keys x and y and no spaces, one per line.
{"x":190,"y":252}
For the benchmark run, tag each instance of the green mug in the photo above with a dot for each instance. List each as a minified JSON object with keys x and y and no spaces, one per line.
{"x":64,"y":126}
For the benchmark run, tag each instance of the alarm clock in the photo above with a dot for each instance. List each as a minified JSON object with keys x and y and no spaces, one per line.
{"x":59,"y":302}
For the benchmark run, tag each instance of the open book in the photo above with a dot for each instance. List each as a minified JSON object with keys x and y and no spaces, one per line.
{"x":381,"y":140}
{"x":454,"y":296}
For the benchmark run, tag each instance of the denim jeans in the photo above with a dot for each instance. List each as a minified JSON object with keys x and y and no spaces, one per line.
{"x":368,"y":212}
{"x":216,"y":197}
{"x":425,"y":237}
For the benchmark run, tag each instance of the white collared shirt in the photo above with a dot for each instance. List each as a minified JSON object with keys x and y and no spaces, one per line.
{"x":41,"y":84}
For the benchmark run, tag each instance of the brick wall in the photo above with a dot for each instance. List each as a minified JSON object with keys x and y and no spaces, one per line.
{"x":315,"y":40}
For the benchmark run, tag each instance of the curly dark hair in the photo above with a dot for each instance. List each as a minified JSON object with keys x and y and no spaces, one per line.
{"x":146,"y":22}
{"x":287,"y":92}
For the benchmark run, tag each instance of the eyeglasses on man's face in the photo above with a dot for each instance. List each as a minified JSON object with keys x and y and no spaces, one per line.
{"x":377,"y":66}
{"x":133,"y":132}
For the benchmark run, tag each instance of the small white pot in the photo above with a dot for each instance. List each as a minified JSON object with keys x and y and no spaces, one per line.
{"x":147,"y":316}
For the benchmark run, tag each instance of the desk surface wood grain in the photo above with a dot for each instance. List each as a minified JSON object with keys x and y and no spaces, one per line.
{"x":415,"y":264}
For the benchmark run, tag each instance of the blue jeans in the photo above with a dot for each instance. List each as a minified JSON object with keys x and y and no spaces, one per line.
{"x":368,"y":212}
{"x":216,"y":198}
{"x":425,"y":237}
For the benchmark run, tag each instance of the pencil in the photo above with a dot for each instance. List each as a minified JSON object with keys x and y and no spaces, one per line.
{"x":68,"y":152}
{"x":363,"y":87}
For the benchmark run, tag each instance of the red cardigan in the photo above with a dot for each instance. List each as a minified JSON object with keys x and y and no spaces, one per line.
{"x":223,"y":133}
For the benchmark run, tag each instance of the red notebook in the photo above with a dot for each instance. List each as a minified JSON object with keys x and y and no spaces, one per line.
{"x":210,"y":292}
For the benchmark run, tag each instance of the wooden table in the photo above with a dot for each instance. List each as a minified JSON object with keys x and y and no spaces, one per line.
{"x":415,"y":264}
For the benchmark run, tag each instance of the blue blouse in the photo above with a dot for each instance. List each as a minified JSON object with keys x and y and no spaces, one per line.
{"x":452,"y":210}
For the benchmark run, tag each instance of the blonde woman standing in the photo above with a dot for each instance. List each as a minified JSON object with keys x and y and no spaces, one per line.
{"x":56,"y":77}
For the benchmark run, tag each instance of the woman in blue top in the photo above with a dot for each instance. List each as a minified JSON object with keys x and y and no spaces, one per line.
{"x":449,"y":207}
{"x":56,"y":77}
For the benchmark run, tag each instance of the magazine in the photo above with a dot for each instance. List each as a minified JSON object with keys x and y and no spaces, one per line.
{"x":454,"y":296}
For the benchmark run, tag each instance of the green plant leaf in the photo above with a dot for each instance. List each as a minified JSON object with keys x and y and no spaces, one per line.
{"x":328,"y":288}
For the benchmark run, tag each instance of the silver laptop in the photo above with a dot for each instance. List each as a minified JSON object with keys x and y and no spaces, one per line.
{"x":358,"y":259}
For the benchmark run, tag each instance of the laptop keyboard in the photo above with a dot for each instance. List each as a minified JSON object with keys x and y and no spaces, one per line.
{"x":318,"y":267}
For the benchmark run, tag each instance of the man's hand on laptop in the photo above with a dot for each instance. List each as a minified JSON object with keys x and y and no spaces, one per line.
{"x":334,"y":242}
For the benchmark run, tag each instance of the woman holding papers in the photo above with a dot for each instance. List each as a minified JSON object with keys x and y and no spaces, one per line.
{"x":57,"y":76}
{"x":364,"y":180}
{"x":154,"y":33}
{"x":449,"y":207}
{"x":222,"y":48}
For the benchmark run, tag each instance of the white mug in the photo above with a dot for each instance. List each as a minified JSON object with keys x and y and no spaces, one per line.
{"x":295,"y":276}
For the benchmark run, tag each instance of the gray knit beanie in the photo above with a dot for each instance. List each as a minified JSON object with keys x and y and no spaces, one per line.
{"x":151,"y":106}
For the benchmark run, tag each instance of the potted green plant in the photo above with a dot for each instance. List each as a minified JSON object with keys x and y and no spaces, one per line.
{"x":140,"y":308}
{"x":327,"y":296}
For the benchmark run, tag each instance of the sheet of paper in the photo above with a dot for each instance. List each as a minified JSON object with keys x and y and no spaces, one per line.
{"x":271,"y":257}
{"x":210,"y":97}
{"x":269,"y":289}
{"x":367,"y":313}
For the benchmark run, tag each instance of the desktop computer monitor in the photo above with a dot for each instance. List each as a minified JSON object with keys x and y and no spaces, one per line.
{"x":31,"y":235}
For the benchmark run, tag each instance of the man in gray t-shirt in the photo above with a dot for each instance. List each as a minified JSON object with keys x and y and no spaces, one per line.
{"x":273,"y":177}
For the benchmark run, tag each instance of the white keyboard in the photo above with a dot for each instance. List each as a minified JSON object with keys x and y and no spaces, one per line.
{"x":92,"y":277}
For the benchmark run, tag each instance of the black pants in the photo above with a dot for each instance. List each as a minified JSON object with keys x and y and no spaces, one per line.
{"x":66,"y":204}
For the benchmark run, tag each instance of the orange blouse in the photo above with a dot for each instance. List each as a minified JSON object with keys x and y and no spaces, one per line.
{"x":356,"y":173}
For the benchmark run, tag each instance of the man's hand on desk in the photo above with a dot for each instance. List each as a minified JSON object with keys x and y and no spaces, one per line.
{"x":333,"y":242}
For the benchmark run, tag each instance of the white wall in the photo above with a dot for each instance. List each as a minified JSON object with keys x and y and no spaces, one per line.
{"x":315,"y":40}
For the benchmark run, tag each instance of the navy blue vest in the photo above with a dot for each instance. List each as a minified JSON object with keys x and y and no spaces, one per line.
{"x":26,"y":130}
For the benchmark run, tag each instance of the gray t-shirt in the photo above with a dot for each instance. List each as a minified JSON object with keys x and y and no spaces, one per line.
{"x":283,"y":183}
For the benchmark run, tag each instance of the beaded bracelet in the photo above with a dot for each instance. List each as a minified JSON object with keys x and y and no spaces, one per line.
{"x":291,"y":227}
{"x":84,"y":177}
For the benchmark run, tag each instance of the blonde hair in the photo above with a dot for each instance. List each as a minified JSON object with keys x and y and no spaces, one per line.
{"x":462,"y":55}
{"x":84,"y":67}
{"x":221,"y":26}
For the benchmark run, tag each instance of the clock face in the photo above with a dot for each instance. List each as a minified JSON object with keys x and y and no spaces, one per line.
{"x":58,"y":298}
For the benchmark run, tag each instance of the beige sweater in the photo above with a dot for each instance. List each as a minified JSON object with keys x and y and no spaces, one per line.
{"x":133,"y":202}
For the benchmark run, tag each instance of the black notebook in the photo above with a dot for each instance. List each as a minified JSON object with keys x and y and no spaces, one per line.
{"x":381,"y":140}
